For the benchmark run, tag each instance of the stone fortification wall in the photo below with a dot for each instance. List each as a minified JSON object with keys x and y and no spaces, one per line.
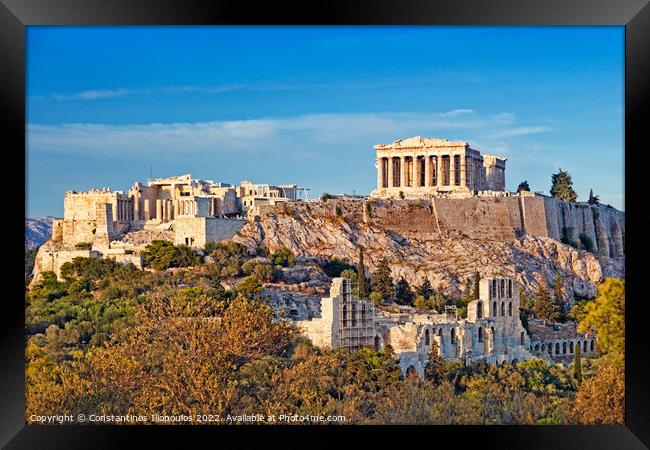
{"x":52,"y":260}
{"x":202,"y":230}
{"x":497,"y":218}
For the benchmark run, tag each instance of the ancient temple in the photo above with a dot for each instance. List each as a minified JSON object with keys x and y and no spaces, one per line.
{"x":417,"y":167}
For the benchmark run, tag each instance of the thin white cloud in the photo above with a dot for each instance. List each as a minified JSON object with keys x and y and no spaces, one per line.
{"x":96,"y":94}
{"x":301,"y":135}
{"x":520,"y":131}
{"x":91,"y":94}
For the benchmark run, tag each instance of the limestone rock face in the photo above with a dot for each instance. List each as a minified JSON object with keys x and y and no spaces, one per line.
{"x":448,"y":260}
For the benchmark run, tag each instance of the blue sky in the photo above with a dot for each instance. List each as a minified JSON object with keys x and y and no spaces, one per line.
{"x":105,"y":105}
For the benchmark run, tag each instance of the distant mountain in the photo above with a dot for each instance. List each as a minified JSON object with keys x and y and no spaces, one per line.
{"x":37,"y":231}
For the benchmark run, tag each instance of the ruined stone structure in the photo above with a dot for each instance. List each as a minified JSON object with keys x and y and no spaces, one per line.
{"x":198,"y":211}
{"x":492,"y":331}
{"x":98,"y":215}
{"x":558,"y":341}
{"x":252,"y":195}
{"x":419,"y":167}
{"x":345,"y":322}
{"x":164,"y":199}
{"x":98,"y":223}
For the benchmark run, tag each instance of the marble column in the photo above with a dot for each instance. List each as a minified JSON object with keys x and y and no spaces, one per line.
{"x":390,"y":172}
{"x":147,"y":209}
{"x":463,"y":171}
{"x":427,"y":170}
{"x":380,"y":173}
{"x":439,"y":170}
{"x":402,"y":170}
{"x":414,"y":170}
{"x":136,"y":206}
{"x":452,"y":170}
{"x":159,"y":209}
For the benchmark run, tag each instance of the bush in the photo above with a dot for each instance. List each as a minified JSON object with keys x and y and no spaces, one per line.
{"x":249,"y":287}
{"x":326,"y":196}
{"x":339,"y":211}
{"x":587,"y":242}
{"x":283,"y":257}
{"x":335,"y":266}
{"x":161,"y":255}
{"x":83,"y":245}
{"x":230,"y":269}
{"x":568,"y":236}
{"x":186,"y":257}
{"x":376,"y":298}
{"x":225,"y":249}
{"x":263,"y":271}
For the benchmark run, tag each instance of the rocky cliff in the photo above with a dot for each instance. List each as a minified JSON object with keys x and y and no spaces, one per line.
{"x":445,"y":242}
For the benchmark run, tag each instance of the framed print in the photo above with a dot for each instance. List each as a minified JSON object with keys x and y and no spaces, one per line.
{"x":411,"y":218}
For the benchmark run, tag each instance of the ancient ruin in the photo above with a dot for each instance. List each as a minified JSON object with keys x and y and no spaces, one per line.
{"x":492,"y":332}
{"x":182,"y":209}
{"x":431,"y":193}
{"x":420,"y":167}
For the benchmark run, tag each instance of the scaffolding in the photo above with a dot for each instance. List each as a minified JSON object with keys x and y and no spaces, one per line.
{"x":356,"y":319}
{"x":451,"y":312}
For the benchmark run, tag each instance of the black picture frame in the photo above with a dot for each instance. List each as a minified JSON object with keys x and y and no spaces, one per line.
{"x":634,"y":15}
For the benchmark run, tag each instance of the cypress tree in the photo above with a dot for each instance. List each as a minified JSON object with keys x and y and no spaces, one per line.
{"x":434,"y":370}
{"x":562,"y":186}
{"x":382,"y":281}
{"x":577,"y":365}
{"x":593,"y":199}
{"x":475,"y":289}
{"x":403,"y":292}
{"x":545,"y":307}
{"x":558,"y":294}
{"x":425,"y":290}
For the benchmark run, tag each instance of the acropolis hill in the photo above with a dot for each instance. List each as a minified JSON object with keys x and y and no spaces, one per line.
{"x":440,"y":211}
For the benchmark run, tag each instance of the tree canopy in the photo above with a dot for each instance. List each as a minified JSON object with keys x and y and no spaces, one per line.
{"x":562,"y":186}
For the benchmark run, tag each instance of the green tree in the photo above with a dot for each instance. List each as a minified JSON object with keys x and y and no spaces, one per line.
{"x":593,"y":199}
{"x":435,"y":368}
{"x":186,"y":257}
{"x":545,"y":307}
{"x":475,"y":289}
{"x":326,"y":196}
{"x":283,"y":257}
{"x":562,"y":186}
{"x":523,"y":186}
{"x":577,"y":365}
{"x":425,"y":290}
{"x":382,"y":281}
{"x":376,"y":298}
{"x":334,"y":267}
{"x":249,"y":287}
{"x":605,"y":316}
{"x":159,"y":255}
{"x":362,"y":282}
{"x":558,"y":294}
{"x":421,"y":302}
{"x":403,"y":292}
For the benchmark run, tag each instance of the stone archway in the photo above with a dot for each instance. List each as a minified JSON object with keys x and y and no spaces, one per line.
{"x":411,"y":372}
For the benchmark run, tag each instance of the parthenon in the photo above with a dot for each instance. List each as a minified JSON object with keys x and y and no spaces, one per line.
{"x":417,"y":167}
